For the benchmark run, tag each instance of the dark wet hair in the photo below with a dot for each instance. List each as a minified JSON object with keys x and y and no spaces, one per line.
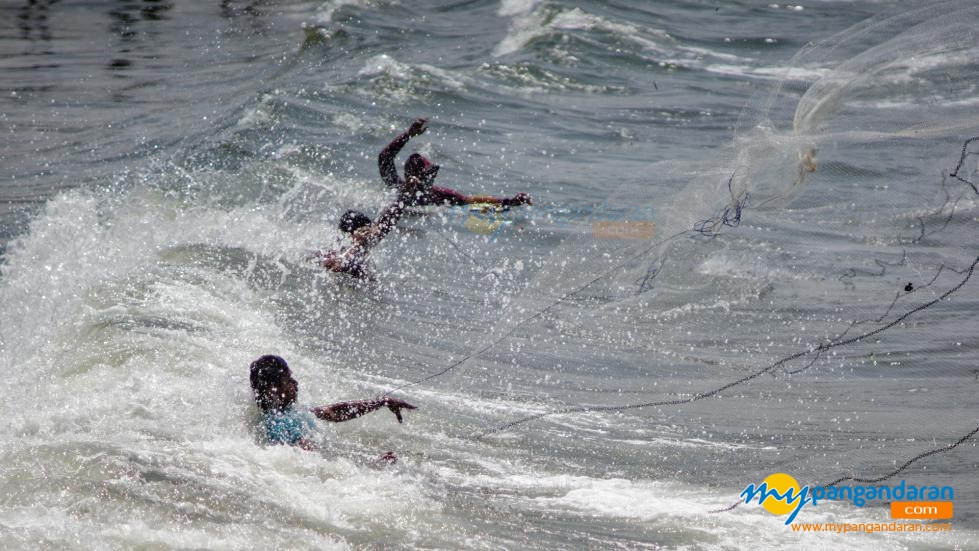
{"x":267,"y":373}
{"x":420,"y":167}
{"x":352,"y":220}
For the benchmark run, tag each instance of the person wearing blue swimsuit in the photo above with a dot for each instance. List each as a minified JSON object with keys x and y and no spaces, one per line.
{"x":275,"y":392}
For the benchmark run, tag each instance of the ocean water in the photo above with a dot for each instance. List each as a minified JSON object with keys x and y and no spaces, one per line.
{"x":168,"y":166}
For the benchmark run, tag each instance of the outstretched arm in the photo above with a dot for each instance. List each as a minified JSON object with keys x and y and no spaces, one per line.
{"x":345,"y":411}
{"x":385,"y":160}
{"x":387,"y":220}
{"x":446,"y":196}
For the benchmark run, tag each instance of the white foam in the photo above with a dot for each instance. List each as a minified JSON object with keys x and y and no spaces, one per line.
{"x":324,"y":14}
{"x":384,"y":64}
{"x":523,"y":29}
{"x":527,"y":26}
{"x":398,"y":79}
{"x":132,"y":358}
{"x":258,"y":115}
{"x":751,"y":268}
{"x":576,"y":19}
{"x":516,"y":7}
{"x":773,"y":73}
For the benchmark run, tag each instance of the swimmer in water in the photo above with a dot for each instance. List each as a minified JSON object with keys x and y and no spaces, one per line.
{"x":283,"y":422}
{"x":423,"y":172}
{"x":355,"y":259}
{"x":415,"y":189}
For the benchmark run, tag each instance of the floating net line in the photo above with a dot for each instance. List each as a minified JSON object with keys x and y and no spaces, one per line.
{"x":816,"y":351}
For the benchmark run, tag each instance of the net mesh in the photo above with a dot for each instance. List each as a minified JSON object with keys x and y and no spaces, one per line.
{"x":810,"y":293}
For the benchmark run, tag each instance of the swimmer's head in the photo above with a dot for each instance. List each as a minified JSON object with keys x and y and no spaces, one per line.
{"x":353,"y":220}
{"x":272,"y":384}
{"x":417,"y":166}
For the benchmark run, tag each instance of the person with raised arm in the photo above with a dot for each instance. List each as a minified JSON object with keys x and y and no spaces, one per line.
{"x":421,"y":172}
{"x":365,"y":234}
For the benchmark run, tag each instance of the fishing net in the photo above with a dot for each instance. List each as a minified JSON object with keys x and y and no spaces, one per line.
{"x":807,"y":304}
{"x":808,"y":300}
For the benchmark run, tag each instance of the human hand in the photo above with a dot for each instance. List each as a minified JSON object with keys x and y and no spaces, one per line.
{"x":329,"y":260}
{"x":389,"y":458}
{"x":396,"y":405}
{"x":522,"y":199}
{"x":418,"y":127}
